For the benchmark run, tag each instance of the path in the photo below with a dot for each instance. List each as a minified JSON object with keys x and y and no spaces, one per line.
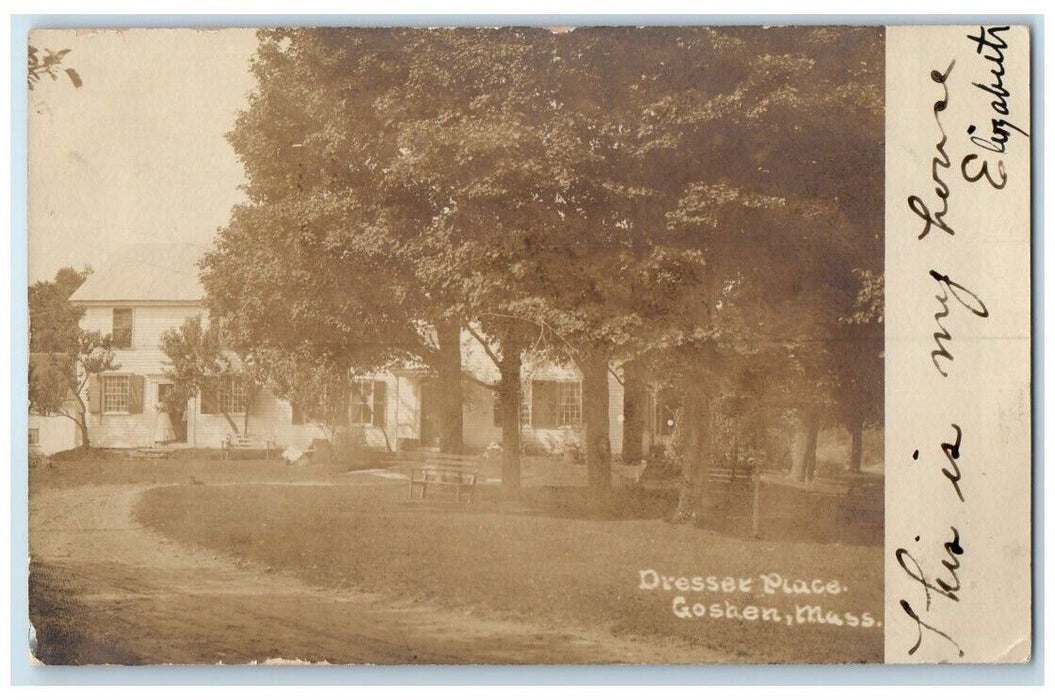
{"x":135,"y":596}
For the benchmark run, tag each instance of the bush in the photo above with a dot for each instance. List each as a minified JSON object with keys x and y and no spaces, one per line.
{"x":38,"y":461}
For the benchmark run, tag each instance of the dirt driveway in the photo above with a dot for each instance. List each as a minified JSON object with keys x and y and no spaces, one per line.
{"x":106,"y":590}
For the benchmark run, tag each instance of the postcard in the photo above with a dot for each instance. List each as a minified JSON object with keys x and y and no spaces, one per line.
{"x":530,"y":345}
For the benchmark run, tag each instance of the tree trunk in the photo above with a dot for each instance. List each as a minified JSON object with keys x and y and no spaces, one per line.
{"x":856,"y":443}
{"x":635,"y":406}
{"x":805,"y":465}
{"x":509,"y":402}
{"x":594,"y":370}
{"x":335,"y":451}
{"x":449,"y":369}
{"x":245,"y":416}
{"x":83,"y":425}
{"x":695,"y":457}
{"x":230,"y":422}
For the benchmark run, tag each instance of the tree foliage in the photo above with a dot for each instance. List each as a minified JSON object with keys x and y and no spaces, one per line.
{"x":315,"y":385}
{"x":53,"y":320}
{"x":693,"y":198}
{"x":59,"y":379}
{"x":198,"y":363}
{"x":45,"y":63}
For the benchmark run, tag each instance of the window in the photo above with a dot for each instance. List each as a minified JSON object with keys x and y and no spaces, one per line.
{"x":569,"y":403}
{"x":230,"y":396}
{"x":556,"y":404}
{"x":34,"y":436}
{"x":115,"y":393}
{"x":122,"y":333}
{"x":368,"y":403}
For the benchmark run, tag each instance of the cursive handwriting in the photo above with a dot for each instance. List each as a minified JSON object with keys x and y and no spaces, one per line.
{"x":952,"y":453}
{"x":939,"y":162}
{"x":968,"y":299}
{"x":990,"y":45}
{"x":948,"y":587}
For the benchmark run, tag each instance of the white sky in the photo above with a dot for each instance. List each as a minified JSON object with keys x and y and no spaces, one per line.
{"x":138,"y":153}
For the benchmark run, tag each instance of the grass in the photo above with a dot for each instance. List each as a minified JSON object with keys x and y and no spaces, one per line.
{"x":109,"y":468}
{"x":543,"y":561}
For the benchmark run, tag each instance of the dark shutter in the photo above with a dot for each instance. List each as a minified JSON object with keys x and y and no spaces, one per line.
{"x":496,"y":411}
{"x":380,"y":404}
{"x":209,"y":401}
{"x":135,"y":393}
{"x":544,"y":404}
{"x":298,"y":415}
{"x":95,"y":394}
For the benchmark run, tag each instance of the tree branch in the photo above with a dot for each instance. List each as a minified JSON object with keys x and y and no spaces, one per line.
{"x":73,"y":418}
{"x":486,"y":346}
{"x":481,"y":382}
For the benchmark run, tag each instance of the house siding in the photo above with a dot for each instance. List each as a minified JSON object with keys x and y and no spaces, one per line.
{"x":148,"y":323}
{"x":480,"y":431}
{"x":270,"y":417}
{"x":144,"y":358}
{"x":54,"y":434}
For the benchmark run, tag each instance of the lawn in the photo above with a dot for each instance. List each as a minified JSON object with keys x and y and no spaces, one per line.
{"x":547,"y":562}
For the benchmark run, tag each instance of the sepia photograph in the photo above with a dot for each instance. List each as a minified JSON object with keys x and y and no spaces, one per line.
{"x":407,"y":345}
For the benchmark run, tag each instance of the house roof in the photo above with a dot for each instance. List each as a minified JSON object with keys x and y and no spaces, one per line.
{"x":146,"y":272}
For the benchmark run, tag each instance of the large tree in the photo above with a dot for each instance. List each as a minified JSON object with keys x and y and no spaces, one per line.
{"x":616,"y":203}
{"x":768,"y":144}
{"x":64,"y":358}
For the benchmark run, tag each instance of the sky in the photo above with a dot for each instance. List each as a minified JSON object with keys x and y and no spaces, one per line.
{"x":138,"y":153}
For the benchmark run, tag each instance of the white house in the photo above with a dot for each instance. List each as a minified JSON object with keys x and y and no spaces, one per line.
{"x":148,"y":289}
{"x":399,"y":407}
{"x":136,"y":296}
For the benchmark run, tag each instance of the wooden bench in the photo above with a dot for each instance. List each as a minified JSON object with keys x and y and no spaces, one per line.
{"x":860,"y":495}
{"x":743,"y":481}
{"x":436,"y":472}
{"x":247,"y":443}
{"x":455,"y":482}
{"x":855,"y":496}
{"x":728,"y":481}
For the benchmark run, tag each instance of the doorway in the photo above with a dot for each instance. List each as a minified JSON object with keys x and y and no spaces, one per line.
{"x":177,"y":414}
{"x":430,"y":415}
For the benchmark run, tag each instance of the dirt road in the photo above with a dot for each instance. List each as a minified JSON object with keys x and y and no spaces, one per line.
{"x":106,"y":590}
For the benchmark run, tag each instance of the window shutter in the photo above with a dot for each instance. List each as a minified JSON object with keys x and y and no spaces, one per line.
{"x":297,"y":417}
{"x":544,"y":404}
{"x":135,"y":393}
{"x":380,"y":404}
{"x":95,"y":394}
{"x":208,"y":401}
